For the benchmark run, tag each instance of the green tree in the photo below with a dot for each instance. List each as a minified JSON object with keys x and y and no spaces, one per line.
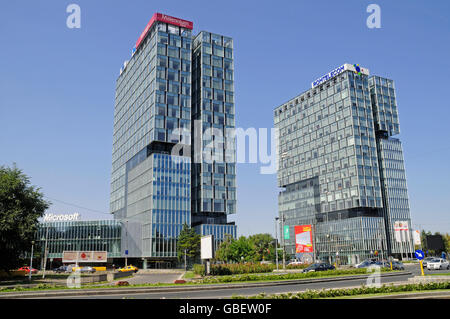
{"x":189,"y":242}
{"x":20,"y":207}
{"x":224,"y":252}
{"x":242,"y":250}
{"x":264,"y":246}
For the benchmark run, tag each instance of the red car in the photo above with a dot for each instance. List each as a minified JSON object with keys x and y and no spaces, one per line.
{"x":27,"y":270}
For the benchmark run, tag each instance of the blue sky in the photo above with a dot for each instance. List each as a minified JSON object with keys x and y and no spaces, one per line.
{"x":57,"y":87}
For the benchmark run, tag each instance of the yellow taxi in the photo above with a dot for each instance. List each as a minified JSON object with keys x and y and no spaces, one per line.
{"x":129,"y":268}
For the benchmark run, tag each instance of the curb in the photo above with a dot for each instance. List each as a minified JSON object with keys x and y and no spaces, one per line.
{"x":111,"y":291}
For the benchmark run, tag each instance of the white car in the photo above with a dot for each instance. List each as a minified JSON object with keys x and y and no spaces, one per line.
{"x":438,"y":263}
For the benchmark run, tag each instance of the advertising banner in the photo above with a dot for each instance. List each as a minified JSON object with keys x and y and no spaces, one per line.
{"x":303,"y":239}
{"x":416,"y":237}
{"x":286,"y":232}
{"x":84,"y":256}
{"x":400,"y":231}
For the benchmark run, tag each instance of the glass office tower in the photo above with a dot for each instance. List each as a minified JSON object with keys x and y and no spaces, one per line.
{"x":332,"y":163}
{"x":214,"y":167}
{"x":152,"y":155}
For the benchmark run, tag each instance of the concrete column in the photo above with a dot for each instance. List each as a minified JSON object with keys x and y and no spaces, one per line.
{"x":144,"y":264}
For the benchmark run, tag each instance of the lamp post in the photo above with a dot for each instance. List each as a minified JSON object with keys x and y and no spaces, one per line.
{"x":45,"y":253}
{"x":276,"y":239}
{"x":31,"y":261}
{"x":284,"y":240}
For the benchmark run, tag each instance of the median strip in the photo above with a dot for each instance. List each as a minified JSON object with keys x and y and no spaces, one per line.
{"x":181,"y":288}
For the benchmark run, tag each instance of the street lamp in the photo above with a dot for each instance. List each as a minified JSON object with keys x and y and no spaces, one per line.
{"x":31,"y":260}
{"x":284,"y":240}
{"x":276,"y":239}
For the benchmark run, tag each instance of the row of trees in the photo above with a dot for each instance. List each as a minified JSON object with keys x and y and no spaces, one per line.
{"x":254,"y":248}
{"x":20,"y":207}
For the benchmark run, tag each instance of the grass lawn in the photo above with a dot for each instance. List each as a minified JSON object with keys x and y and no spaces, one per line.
{"x":189,"y":275}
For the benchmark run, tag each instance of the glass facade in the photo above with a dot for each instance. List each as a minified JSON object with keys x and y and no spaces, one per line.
{"x":219,"y":231}
{"x":152,"y":178}
{"x":332,"y":157}
{"x":214,"y":174}
{"x":96,"y":235}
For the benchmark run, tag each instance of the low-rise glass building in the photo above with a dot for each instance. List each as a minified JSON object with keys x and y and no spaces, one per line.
{"x":92,"y":235}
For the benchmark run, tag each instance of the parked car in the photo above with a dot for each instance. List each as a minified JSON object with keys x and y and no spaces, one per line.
{"x":365,"y":264}
{"x":129,"y":268}
{"x":438,"y":263}
{"x":427,"y":259}
{"x":60,"y":269}
{"x":27,"y":270}
{"x":72,"y":268}
{"x":319,"y":267}
{"x":383,"y":264}
{"x":397,"y":265}
{"x":87,"y":269}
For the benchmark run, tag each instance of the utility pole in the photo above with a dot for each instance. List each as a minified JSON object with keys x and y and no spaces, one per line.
{"x":284,"y":240}
{"x":276,"y":240}
{"x":185,"y":260}
{"x":45,"y":253}
{"x":31,"y":261}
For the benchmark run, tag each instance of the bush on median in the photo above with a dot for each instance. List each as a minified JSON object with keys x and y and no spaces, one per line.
{"x":316,"y":294}
{"x":290,"y":276}
{"x":234,"y":269}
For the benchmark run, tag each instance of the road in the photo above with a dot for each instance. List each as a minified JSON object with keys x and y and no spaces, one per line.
{"x":227,"y":293}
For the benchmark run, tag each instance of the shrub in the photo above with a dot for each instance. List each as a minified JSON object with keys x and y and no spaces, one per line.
{"x":297,"y":266}
{"x":233,"y":269}
{"x":314,"y":294}
{"x":290,"y":276}
{"x":199,"y":269}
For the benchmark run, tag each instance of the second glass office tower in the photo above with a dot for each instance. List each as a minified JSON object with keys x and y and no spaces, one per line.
{"x":340,"y":169}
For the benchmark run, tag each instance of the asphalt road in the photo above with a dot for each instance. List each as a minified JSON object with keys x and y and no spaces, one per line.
{"x":152,"y":278}
{"x":227,"y":293}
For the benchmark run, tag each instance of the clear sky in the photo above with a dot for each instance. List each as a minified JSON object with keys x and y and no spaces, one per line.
{"x":57,"y":87}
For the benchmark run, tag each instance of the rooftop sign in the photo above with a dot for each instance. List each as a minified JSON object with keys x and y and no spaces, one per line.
{"x":163,"y":18}
{"x":57,"y":218}
{"x":346,"y":67}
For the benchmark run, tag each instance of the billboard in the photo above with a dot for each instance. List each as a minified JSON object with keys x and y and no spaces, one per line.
{"x":85,"y":256}
{"x":435,"y":242}
{"x":303,"y":239}
{"x":207,"y":247}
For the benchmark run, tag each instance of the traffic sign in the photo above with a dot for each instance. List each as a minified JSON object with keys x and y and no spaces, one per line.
{"x":126,"y":252}
{"x":419,"y":254}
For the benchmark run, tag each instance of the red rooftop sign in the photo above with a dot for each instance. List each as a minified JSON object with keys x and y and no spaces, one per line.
{"x":163,"y":18}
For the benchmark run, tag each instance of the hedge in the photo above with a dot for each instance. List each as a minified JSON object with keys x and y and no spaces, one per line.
{"x":364,"y":290}
{"x":290,"y":276}
{"x":234,"y":269}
